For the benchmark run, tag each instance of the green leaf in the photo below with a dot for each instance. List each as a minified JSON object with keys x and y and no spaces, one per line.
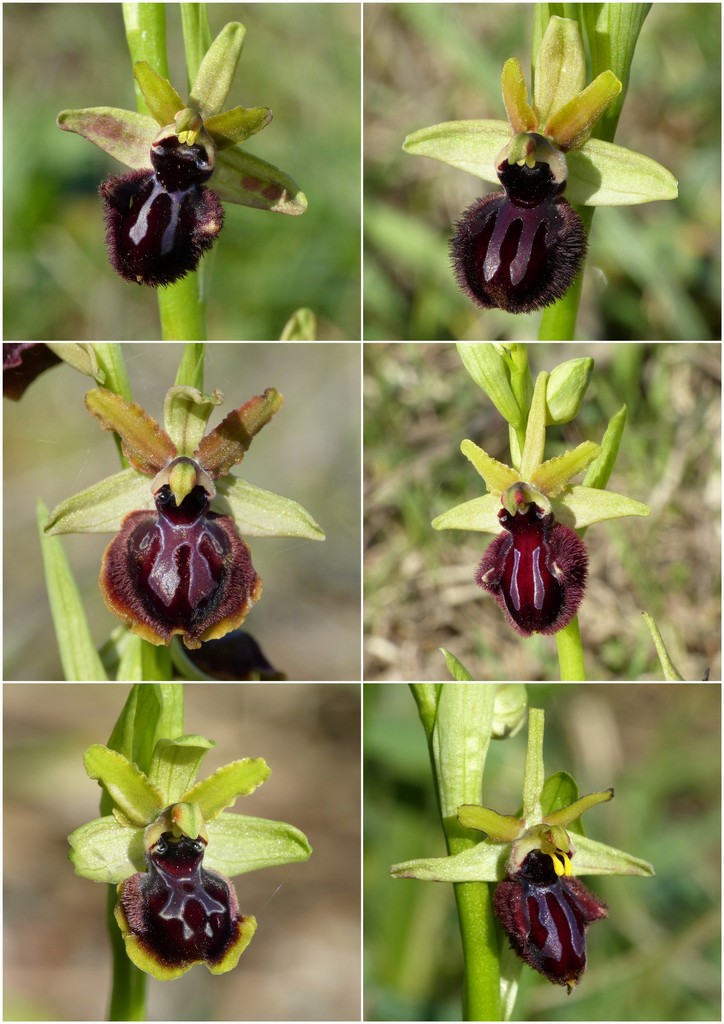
{"x":128,"y":787}
{"x":671,"y":673}
{"x":599,"y":472}
{"x":113,"y":365}
{"x":175,"y":764}
{"x":105,"y":851}
{"x":603,"y":174}
{"x":161,"y":98}
{"x":186,"y":415}
{"x":78,"y":654}
{"x":239,"y":844}
{"x":102,"y":507}
{"x":216,"y":73}
{"x":456,"y":668}
{"x":489,"y":368}
{"x":460,"y":741}
{"x":559,"y":790}
{"x":301,"y":326}
{"x":245,"y":179}
{"x":123,"y":134}
{"x":220,"y":790}
{"x":237,"y":125}
{"x":146,"y":446}
{"x":260,"y":513}
{"x":470,"y":146}
{"x":152,"y":711}
{"x":81,"y":357}
{"x":190,"y":371}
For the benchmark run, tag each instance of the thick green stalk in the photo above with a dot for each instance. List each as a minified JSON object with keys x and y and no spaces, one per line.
{"x":457,"y":718}
{"x":570,"y":653}
{"x":181,"y":306}
{"x":128,"y":991}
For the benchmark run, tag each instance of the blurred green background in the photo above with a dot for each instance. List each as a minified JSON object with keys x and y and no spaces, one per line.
{"x":307,"y":621}
{"x":302,"y":60}
{"x":653,"y":271}
{"x":657,"y":956}
{"x":421,"y":594}
{"x":304,"y":961}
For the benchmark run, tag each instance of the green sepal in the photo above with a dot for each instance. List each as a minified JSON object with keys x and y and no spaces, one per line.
{"x":491,"y":371}
{"x":497,"y":476}
{"x":593,"y":858}
{"x":484,"y":862}
{"x":236,"y":125}
{"x":470,"y":146}
{"x":161,"y":98}
{"x":533,"y":771}
{"x":565,"y":390}
{"x":480,"y":514}
{"x":499,"y":828}
{"x":123,"y":134}
{"x":604,"y":174}
{"x":146,"y":446}
{"x":515,"y":97}
{"x":553,"y":475}
{"x":560,"y":68}
{"x":669,"y":669}
{"x":105,"y":851}
{"x":239,"y":844}
{"x":572,"y":125}
{"x":133,"y":795}
{"x":245,"y":179}
{"x":220,"y":790}
{"x":599,"y":174}
{"x":175,"y":765}
{"x":78,"y":654}
{"x":227,"y":444}
{"x":102,"y":507}
{"x":185,"y":416}
{"x":216,"y":72}
{"x":587,"y":505}
{"x":455,"y":667}
{"x":260,"y":513}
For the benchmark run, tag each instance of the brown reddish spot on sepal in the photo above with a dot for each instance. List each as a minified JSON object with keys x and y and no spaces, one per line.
{"x":178,"y":913}
{"x":546,"y":916}
{"x":181,"y":570}
{"x":536,"y":570}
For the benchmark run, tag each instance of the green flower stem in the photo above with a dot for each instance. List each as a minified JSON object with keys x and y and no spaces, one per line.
{"x":570,"y":653}
{"x":197,"y":36}
{"x":457,"y":718}
{"x":128,"y":990}
{"x":181,"y":306}
{"x":612,"y":31}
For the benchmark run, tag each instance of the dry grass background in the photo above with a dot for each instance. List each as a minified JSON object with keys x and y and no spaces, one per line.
{"x":420,"y":592}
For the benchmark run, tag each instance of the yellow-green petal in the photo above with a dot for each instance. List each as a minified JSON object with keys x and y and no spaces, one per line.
{"x":515,"y":96}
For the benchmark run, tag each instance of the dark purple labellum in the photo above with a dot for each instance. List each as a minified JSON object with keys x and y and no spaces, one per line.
{"x":545,"y":916}
{"x":159,"y":223}
{"x":22,"y":363}
{"x":184,"y":570}
{"x":536,"y":570}
{"x":519,"y":249}
{"x":180,"y":912}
